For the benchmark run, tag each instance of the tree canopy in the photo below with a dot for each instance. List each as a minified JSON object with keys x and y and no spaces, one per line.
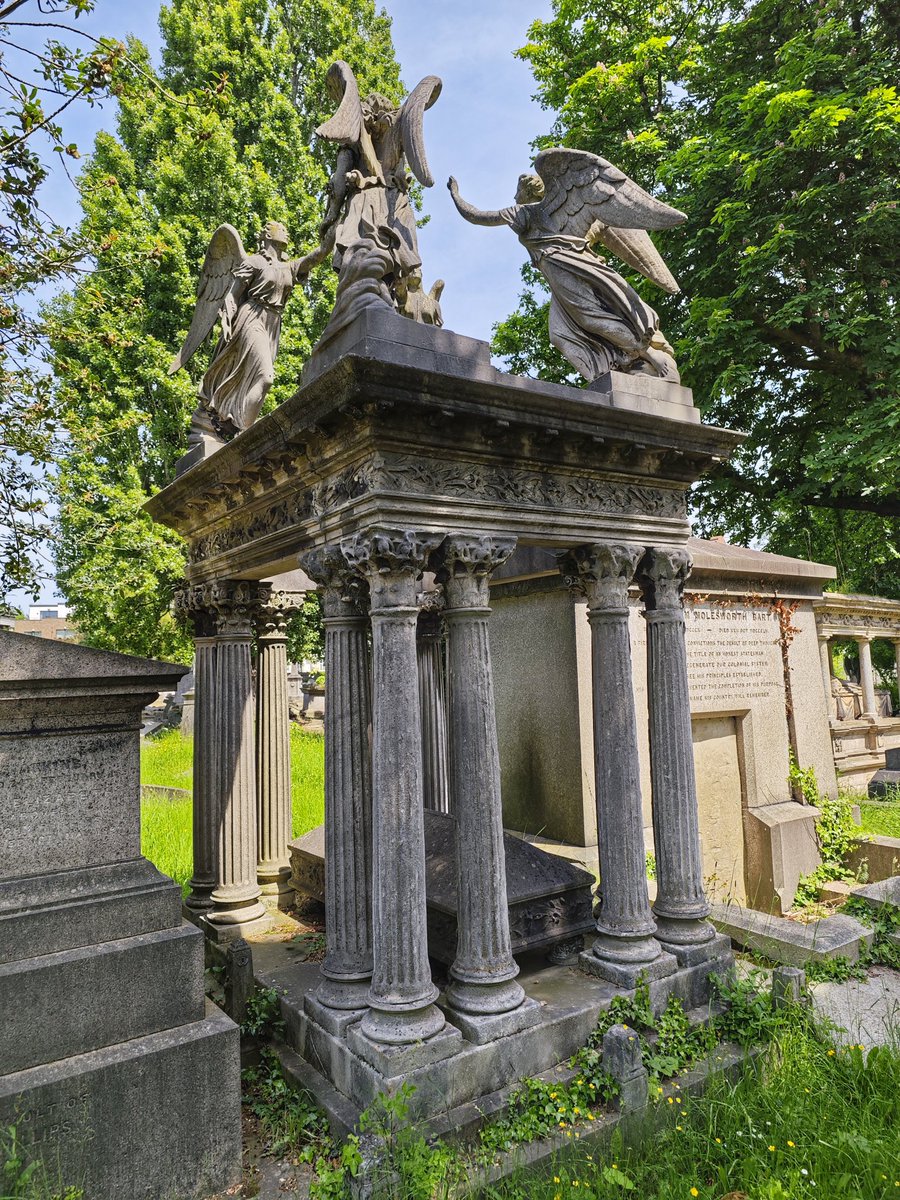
{"x":775,"y":124}
{"x":152,"y":195}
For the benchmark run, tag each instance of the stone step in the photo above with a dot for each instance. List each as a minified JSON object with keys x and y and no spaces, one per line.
{"x":77,"y":1001}
{"x":791,"y":942}
{"x":169,"y":1101}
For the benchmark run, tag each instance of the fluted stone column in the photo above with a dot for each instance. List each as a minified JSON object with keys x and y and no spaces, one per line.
{"x":625,"y":946}
{"x":825,"y":659}
{"x":195,"y":603}
{"x":867,"y":678}
{"x":484,"y":994}
{"x":681,"y":906}
{"x":433,"y":702}
{"x":401,"y":997}
{"x":273,"y":745}
{"x":236,"y":902}
{"x":347,"y":969}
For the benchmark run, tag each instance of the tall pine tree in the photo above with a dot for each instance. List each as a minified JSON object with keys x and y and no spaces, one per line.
{"x":152,"y":195}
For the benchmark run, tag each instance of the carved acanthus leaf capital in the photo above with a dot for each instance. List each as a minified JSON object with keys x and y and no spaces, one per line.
{"x":463,"y":564}
{"x":194,"y":603}
{"x":662,"y":575}
{"x":274,"y":613}
{"x":392,"y":561}
{"x":601,"y":573}
{"x":236,"y":603}
{"x":345,"y":591}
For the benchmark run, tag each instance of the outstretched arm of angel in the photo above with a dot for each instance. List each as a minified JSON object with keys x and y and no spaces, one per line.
{"x":478,"y":216}
{"x":223,"y":278}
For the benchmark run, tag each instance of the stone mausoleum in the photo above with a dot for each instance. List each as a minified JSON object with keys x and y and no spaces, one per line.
{"x":406,"y":452}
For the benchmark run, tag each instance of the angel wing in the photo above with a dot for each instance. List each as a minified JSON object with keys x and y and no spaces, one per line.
{"x":581,"y":188}
{"x":635,"y":247}
{"x":347,"y":123}
{"x":224,"y":256}
{"x":409,"y":131}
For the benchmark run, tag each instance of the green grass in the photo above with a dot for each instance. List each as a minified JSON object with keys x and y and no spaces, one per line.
{"x":809,"y":1122}
{"x":166,"y":824}
{"x":881,"y":818}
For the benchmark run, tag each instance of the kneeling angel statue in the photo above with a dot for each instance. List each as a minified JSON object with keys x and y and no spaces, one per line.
{"x":575,"y":201}
{"x":247,"y":294}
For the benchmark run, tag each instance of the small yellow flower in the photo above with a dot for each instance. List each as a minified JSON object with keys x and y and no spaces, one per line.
{"x":790,"y":1143}
{"x":553,"y":1095}
{"x":562,"y":1124}
{"x":677,"y":1099}
{"x":772,"y":1148}
{"x":679,"y":1127}
{"x":694,"y":1192}
{"x":659,"y":1089}
{"x":568,"y":1133}
{"x":718,"y":1141}
{"x":830,"y":1052}
{"x":575,"y":1183}
{"x":669,"y":1098}
{"x":577,"y":1135}
{"x":615,"y":1166}
{"x":577,"y":1112}
{"x":590,"y":1116}
{"x":556,"y":1179}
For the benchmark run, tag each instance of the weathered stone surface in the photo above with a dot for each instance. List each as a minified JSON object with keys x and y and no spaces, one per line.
{"x":780,"y":846}
{"x":878,"y":856}
{"x":883,"y":783}
{"x":883,"y":894}
{"x":152,"y":1117}
{"x":788,"y":986}
{"x":622,"y":1060}
{"x":789,"y":941}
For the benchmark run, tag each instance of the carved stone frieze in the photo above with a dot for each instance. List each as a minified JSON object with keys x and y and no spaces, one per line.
{"x":415,"y":476}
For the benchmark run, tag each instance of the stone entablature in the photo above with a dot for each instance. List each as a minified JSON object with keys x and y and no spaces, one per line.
{"x":849,"y":616}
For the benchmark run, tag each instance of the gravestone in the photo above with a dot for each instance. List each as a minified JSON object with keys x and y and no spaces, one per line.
{"x":756,"y":839}
{"x":116,"y":1071}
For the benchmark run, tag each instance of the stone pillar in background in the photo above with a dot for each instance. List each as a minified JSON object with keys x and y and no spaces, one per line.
{"x":867,"y":679}
{"x":401,"y":998}
{"x":486,"y":998}
{"x":681,"y":906}
{"x":897,"y":661}
{"x":236,"y":903}
{"x":347,"y":969}
{"x":825,"y":657}
{"x":433,"y":701}
{"x":273,"y":746}
{"x":625,"y":946}
{"x":195,"y":603}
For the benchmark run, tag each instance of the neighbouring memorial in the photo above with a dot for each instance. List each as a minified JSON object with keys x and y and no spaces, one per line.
{"x":114,"y":1068}
{"x":755,"y":694}
{"x":404,"y":453}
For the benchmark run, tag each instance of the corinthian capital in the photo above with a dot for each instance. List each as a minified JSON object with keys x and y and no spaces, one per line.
{"x":391,"y":561}
{"x":662,"y":575}
{"x":345,"y":591}
{"x":273,"y":613}
{"x":464,"y":565}
{"x":236,"y":603}
{"x":600,"y":572}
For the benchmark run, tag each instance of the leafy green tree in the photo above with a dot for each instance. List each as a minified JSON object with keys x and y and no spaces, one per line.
{"x":152,"y":195}
{"x":38,"y":84}
{"x":775,"y":124}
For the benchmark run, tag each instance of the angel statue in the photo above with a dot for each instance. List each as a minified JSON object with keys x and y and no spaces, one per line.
{"x":247,"y":295}
{"x":369,"y":188}
{"x":597,"y":320}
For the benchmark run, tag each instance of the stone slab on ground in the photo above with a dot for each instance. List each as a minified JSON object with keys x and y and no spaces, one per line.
{"x":791,"y":942}
{"x":884,"y":894}
{"x":866,"y":1011}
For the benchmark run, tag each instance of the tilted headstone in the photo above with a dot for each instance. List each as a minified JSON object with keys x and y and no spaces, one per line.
{"x":114,"y":1068}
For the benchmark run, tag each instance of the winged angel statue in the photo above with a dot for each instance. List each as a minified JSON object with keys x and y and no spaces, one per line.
{"x":575,"y":201}
{"x":247,"y":293}
{"x":369,"y":216}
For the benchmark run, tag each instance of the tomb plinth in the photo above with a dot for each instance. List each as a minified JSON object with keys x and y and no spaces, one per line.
{"x":405,"y":451}
{"x":114,"y":1068}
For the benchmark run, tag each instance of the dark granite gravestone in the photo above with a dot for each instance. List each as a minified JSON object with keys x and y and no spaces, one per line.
{"x":886,"y":781}
{"x":549,"y":898}
{"x":116,"y":1071}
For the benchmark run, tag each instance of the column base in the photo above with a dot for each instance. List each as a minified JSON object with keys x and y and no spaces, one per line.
{"x":484,"y":999}
{"x":399,"y":1059}
{"x":627,"y":975}
{"x":631,"y":950}
{"x":332,"y":1020}
{"x":684,"y":931}
{"x":198,"y":902}
{"x":482,"y":1028}
{"x":273,"y":878}
{"x":223,"y":934}
{"x":401,"y":1027}
{"x":694,"y":953}
{"x":344,"y":994}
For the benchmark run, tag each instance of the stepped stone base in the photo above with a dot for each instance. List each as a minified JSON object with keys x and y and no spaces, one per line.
{"x":569,"y":1003}
{"x":92,"y":1116}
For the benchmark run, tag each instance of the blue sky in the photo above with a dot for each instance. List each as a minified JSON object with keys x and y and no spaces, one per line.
{"x":479,"y":130}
